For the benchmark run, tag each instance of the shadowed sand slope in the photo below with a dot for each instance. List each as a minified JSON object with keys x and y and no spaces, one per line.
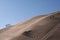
{"x":44,"y":27}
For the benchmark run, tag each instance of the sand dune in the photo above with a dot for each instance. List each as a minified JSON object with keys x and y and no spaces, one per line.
{"x":44,"y":27}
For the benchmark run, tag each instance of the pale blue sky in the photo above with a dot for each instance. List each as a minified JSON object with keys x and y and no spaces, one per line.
{"x":14,"y":11}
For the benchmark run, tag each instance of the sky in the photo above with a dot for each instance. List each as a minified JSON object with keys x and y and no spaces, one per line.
{"x":14,"y":11}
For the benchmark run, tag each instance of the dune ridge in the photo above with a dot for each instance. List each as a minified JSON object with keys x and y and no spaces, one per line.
{"x":43,"y":27}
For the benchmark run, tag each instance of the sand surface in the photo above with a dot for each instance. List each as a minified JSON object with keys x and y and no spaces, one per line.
{"x":43,"y":27}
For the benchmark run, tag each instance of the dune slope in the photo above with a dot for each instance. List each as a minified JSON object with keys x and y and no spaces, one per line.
{"x":44,"y":27}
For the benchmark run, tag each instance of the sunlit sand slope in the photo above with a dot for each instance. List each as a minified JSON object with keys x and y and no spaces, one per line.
{"x":44,"y":27}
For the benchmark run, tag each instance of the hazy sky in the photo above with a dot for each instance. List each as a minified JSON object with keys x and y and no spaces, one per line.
{"x":14,"y":11}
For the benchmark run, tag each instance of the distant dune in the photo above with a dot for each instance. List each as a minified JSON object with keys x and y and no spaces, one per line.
{"x":43,"y":27}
